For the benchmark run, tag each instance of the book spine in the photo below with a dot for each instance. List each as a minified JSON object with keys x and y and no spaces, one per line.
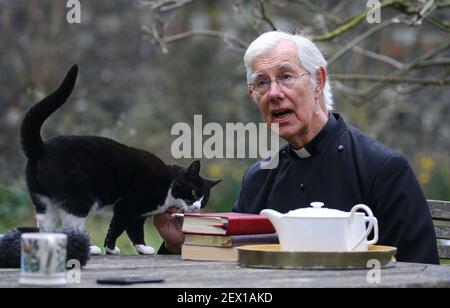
{"x":255,"y":226}
{"x":239,"y":240}
{"x":230,"y":241}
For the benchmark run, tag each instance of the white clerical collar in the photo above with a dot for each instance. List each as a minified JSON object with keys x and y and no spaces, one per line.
{"x":302,"y":153}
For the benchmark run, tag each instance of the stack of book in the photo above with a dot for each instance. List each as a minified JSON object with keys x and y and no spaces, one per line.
{"x":215,"y":236}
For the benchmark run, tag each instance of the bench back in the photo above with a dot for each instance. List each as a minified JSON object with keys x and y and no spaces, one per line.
{"x":440,"y":212}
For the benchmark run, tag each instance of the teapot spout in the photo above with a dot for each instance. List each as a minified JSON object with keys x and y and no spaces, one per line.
{"x":273,"y":216}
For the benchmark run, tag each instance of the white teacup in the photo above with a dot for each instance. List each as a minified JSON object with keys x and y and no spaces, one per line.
{"x":43,"y":259}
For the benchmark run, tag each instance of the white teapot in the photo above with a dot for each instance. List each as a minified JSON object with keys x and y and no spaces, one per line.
{"x":322,"y":229}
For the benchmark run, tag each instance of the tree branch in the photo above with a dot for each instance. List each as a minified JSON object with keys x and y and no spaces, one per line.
{"x":247,"y":19}
{"x":317,"y":9}
{"x":340,"y":30}
{"x":164,"y":5}
{"x":377,"y":56}
{"x":229,"y":40}
{"x":352,"y":22}
{"x":262,"y":10}
{"x":361,"y":38}
{"x":337,"y":84}
{"x":439,"y":61}
{"x":438,"y":24}
{"x":421,"y":12}
{"x":226,"y":38}
{"x":372,"y":92}
{"x":418,"y":87}
{"x":389,"y":79}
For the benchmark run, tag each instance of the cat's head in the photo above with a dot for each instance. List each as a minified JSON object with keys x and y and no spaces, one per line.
{"x":190,"y":190}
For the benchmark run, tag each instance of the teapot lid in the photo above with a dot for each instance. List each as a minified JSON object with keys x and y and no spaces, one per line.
{"x":317,"y":210}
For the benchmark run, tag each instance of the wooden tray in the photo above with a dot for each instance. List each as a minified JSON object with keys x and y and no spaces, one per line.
{"x":271,"y":256}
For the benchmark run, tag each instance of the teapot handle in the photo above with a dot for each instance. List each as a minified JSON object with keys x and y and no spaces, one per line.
{"x":375,"y":231}
{"x":373,"y":223}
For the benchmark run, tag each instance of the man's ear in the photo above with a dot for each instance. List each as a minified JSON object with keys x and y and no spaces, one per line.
{"x":321,"y":77}
{"x":251,"y":94}
{"x":250,"y":91}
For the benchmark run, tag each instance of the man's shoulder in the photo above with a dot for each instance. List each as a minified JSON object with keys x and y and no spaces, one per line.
{"x":370,"y":147}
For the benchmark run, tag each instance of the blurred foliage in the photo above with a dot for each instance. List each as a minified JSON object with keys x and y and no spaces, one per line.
{"x":434,"y":178}
{"x":15,"y":205}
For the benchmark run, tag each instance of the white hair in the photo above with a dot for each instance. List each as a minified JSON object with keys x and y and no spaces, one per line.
{"x":309,"y":56}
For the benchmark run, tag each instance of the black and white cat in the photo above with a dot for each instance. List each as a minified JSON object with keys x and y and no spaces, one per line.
{"x":70,"y":176}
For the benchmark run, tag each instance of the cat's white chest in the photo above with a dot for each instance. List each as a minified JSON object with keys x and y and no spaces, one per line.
{"x":169,"y":202}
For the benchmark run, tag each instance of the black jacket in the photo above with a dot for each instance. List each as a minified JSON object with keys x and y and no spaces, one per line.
{"x":347,"y":167}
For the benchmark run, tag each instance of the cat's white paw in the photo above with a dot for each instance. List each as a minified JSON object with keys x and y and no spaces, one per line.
{"x":114,"y":252}
{"x":144,"y":250}
{"x":95,"y":250}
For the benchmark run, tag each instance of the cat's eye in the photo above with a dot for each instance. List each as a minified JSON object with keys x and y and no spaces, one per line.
{"x":193,"y":193}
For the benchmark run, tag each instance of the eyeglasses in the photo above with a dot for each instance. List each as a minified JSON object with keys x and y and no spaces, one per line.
{"x":263,"y":84}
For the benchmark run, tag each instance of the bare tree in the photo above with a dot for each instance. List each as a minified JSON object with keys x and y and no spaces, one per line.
{"x":390,"y":78}
{"x":410,"y":13}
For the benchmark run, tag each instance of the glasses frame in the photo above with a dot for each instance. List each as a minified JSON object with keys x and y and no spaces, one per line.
{"x":253,"y":86}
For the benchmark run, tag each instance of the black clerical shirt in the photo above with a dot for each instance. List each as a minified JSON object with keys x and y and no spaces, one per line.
{"x":342,"y":167}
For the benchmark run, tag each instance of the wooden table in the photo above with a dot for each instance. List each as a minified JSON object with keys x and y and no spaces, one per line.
{"x":205,"y":274}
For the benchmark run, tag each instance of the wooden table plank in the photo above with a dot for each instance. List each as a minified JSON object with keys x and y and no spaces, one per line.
{"x":200,"y":274}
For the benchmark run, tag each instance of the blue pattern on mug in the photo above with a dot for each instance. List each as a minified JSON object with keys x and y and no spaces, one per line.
{"x":30,"y":259}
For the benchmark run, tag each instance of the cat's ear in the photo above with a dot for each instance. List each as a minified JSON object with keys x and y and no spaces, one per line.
{"x":194,"y":168}
{"x":214,"y":183}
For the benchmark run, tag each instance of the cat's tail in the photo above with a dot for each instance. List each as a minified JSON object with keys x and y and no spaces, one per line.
{"x":30,"y":132}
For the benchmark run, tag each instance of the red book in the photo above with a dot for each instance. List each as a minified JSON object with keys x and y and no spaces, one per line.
{"x":226,"y":223}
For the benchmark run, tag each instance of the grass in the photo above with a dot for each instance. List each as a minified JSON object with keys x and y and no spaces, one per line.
{"x":10,"y":224}
{"x":16,"y":210}
{"x":97,"y":226}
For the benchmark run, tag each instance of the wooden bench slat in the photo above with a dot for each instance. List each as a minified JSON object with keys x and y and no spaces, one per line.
{"x":444,"y":251}
{"x":439,"y":209}
{"x":442,"y":231}
{"x":440,"y":212}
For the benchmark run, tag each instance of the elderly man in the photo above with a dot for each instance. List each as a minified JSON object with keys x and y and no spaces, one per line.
{"x":325,"y":159}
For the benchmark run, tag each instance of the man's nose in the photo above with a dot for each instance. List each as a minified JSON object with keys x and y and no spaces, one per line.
{"x":275,"y":91}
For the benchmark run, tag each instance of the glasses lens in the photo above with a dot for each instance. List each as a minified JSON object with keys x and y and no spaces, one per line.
{"x":262,"y":85}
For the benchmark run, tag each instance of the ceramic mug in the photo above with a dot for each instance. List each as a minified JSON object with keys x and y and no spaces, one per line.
{"x":43,"y":259}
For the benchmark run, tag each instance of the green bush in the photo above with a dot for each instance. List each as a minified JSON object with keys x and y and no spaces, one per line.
{"x":15,"y":205}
